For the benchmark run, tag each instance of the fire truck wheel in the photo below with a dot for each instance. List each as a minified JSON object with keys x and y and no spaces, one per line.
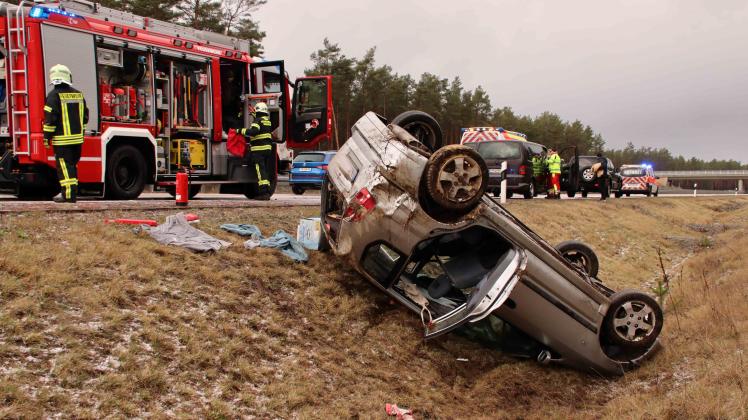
{"x":456,"y":178}
{"x":125,"y":173}
{"x":581,"y":255}
{"x":423,"y":127}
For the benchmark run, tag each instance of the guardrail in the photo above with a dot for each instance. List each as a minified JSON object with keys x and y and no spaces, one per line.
{"x":732,"y":174}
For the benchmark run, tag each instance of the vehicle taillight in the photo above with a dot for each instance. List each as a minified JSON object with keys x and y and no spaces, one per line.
{"x":522,"y":170}
{"x":323,"y":167}
{"x":362,"y":205}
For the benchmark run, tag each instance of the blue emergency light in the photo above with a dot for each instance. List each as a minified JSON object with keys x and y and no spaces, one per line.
{"x":42,"y":12}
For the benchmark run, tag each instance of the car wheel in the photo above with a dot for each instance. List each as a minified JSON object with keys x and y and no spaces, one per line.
{"x":456,"y":178}
{"x":584,"y":194}
{"x":618,"y":194}
{"x":657,"y":192}
{"x":125,"y":173}
{"x":588,"y":174}
{"x":423,"y":127}
{"x":571,"y":193}
{"x":297,"y":189}
{"x":634,"y":320}
{"x":581,"y":255}
{"x":628,"y":194}
{"x":509,"y":195}
{"x":530,"y":192}
{"x":193,"y":191}
{"x":649,"y":192}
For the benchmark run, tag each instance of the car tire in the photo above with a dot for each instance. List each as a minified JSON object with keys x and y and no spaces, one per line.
{"x":193,"y":191}
{"x":423,"y":127}
{"x":298,"y":190}
{"x":628,"y":194}
{"x":649,"y":192}
{"x":125,"y":173}
{"x":657,"y":192}
{"x":581,"y":255}
{"x":571,"y":193}
{"x":584,"y":194}
{"x":455,"y":178}
{"x":618,"y":194}
{"x":634,"y":320}
{"x":530,"y":192}
{"x":509,"y":195}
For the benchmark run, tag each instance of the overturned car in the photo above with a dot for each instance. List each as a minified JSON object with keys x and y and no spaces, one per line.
{"x":414,"y":219}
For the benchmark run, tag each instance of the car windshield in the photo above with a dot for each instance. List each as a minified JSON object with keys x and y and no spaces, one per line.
{"x":497,"y":149}
{"x":632,"y":172}
{"x":310,"y":157}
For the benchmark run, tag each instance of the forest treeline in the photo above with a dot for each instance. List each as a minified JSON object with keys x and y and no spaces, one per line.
{"x":360,"y":85}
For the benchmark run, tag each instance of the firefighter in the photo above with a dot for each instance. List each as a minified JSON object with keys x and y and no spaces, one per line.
{"x":261,"y":148}
{"x":538,"y":171}
{"x":65,"y":118}
{"x":553,"y":161}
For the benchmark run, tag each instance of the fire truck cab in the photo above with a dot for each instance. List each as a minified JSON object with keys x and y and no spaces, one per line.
{"x":161,"y":98}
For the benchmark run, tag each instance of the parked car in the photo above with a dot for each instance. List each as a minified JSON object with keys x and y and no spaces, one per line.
{"x":638,"y":179}
{"x":308,"y":171}
{"x":578,"y":176}
{"x":418,"y":225}
{"x":518,"y":156}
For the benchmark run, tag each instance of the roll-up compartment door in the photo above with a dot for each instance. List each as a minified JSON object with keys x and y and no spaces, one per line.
{"x":75,"y":50}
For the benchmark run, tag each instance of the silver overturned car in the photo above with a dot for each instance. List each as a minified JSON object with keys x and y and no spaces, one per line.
{"x":414,"y":219}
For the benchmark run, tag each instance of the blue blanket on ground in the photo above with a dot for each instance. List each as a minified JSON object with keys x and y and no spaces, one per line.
{"x":280,"y":240}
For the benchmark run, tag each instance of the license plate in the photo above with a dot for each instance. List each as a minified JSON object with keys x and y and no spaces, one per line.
{"x":305,"y":169}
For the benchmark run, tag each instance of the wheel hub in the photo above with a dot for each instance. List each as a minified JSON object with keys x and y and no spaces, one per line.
{"x":459,"y":179}
{"x":634,"y":321}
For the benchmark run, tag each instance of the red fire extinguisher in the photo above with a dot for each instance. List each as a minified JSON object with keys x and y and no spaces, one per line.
{"x":107,"y":98}
{"x":182,"y":188}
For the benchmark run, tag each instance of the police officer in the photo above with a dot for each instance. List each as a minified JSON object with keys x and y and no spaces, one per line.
{"x":261,"y":148}
{"x":65,"y":118}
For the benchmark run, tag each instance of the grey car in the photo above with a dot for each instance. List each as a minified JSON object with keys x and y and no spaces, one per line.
{"x":418,"y":224}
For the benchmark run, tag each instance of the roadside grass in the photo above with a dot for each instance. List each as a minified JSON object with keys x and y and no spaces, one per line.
{"x":96,"y":320}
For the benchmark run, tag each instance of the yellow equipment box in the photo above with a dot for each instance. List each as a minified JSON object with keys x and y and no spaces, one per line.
{"x":196,"y":148}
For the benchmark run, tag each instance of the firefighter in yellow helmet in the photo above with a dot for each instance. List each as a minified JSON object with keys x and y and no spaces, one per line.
{"x":65,"y":118}
{"x":261,"y":148}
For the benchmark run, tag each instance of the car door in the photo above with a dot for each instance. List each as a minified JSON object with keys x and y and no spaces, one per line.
{"x":310,"y":119}
{"x":488,"y":296}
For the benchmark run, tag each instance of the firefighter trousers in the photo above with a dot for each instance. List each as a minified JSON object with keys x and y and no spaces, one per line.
{"x":263,"y":163}
{"x":67,"y":158}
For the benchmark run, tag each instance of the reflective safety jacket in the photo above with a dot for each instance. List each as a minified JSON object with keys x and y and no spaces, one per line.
{"x":554,"y":163}
{"x":537,"y":166}
{"x":65,"y":116}
{"x":259,"y":134}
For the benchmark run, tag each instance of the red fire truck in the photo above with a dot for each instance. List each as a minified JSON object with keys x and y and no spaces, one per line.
{"x":161,"y":97}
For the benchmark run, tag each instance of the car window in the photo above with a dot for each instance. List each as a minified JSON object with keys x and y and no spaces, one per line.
{"x":536,"y":149}
{"x":632,"y":172}
{"x":381,"y":262}
{"x":587,"y":161}
{"x":310,"y":157}
{"x":499,"y":150}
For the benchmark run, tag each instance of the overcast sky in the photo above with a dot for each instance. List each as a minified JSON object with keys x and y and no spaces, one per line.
{"x":670,"y":73}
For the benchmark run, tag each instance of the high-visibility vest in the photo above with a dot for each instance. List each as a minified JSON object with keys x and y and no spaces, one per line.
{"x":537,"y":166}
{"x":554,"y":163}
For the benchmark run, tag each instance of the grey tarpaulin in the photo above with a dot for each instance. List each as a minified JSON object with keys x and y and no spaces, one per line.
{"x":281,"y":240}
{"x":177,"y":231}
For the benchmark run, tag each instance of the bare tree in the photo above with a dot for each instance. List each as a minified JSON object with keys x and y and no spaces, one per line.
{"x":236,"y":11}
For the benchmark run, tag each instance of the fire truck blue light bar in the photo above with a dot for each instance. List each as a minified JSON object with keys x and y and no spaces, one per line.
{"x":40,"y":12}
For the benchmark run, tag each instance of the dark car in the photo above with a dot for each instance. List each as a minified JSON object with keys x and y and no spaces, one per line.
{"x":578,"y":176}
{"x":308,"y":171}
{"x":518,"y":155}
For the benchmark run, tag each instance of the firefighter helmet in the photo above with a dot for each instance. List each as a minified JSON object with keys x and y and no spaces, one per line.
{"x":60,"y":74}
{"x":261,"y":107}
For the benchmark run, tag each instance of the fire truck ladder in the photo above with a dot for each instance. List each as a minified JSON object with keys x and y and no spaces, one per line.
{"x":18,"y":92}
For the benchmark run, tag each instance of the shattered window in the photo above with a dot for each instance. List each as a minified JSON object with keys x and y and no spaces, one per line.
{"x":381,"y":262}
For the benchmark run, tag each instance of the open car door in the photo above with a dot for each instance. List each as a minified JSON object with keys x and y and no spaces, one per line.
{"x":488,"y":296}
{"x":311,"y":116}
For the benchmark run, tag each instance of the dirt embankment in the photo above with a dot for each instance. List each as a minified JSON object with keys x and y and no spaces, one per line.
{"x":96,"y":320}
